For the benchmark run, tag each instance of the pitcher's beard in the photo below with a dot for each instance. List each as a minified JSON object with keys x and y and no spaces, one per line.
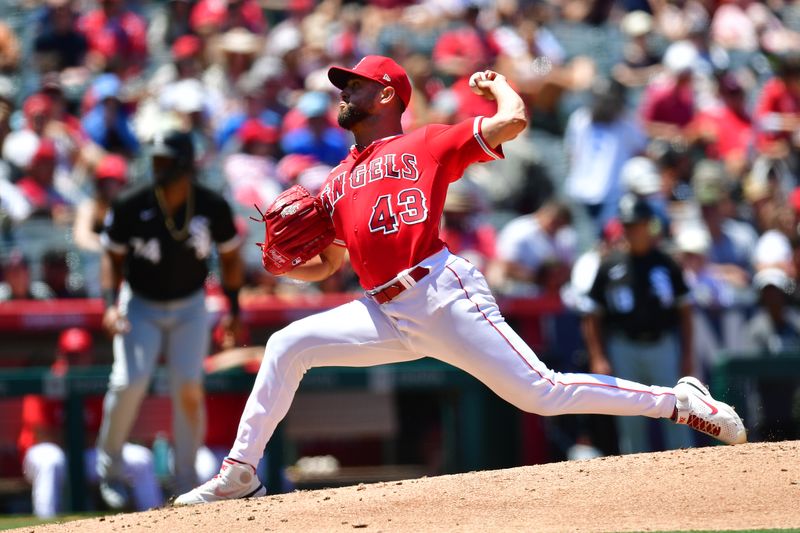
{"x":350,"y":115}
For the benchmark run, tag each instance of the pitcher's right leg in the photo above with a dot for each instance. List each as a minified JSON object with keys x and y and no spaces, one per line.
{"x":356,"y":334}
{"x":477,"y":339}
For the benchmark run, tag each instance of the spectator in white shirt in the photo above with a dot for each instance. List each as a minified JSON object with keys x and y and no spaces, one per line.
{"x":535,"y":252}
{"x":599,"y":139}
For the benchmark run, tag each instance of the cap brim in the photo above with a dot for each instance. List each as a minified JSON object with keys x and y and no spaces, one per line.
{"x":340,"y":76}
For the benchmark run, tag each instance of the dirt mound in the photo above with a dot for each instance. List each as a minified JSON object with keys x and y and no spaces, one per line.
{"x":738,"y":487}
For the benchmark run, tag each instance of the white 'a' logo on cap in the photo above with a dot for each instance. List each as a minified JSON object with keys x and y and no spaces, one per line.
{"x":386,"y":77}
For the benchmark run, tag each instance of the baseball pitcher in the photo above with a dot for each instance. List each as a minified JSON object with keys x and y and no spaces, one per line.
{"x":386,"y":199}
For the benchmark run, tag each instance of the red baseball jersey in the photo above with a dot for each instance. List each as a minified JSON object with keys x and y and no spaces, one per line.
{"x":386,"y":201}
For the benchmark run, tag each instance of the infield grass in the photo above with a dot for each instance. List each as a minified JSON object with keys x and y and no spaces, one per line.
{"x":787,"y":530}
{"x":16,"y":521}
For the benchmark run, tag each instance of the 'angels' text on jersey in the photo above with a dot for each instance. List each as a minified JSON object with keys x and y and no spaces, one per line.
{"x":388,"y":166}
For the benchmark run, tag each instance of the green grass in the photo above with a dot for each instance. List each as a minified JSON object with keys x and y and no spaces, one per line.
{"x":788,"y":530}
{"x":15,"y":521}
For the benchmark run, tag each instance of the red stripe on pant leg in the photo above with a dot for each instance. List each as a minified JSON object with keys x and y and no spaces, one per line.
{"x":528,"y":363}
{"x":495,"y":327}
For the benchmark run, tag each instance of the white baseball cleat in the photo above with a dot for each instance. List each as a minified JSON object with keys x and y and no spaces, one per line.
{"x":698,"y":410}
{"x":235,"y":480}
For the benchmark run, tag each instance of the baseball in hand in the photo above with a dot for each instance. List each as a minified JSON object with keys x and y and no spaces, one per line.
{"x":478,"y":81}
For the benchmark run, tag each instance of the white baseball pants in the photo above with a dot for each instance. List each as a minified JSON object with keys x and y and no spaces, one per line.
{"x":450,"y":315}
{"x":45,"y":468}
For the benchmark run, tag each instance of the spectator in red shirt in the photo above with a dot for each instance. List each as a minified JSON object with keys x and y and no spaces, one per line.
{"x":458,"y":53}
{"x":726,"y":130}
{"x":466,"y":48}
{"x":117,"y":38}
{"x":777,"y":112}
{"x":38,"y":110}
{"x":668,"y":102}
{"x":20,"y":145}
{"x":37,"y":185}
{"x":40,"y":441}
{"x":216,"y":16}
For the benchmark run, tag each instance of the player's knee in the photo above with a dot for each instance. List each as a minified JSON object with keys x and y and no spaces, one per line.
{"x":284,"y":341}
{"x":535,"y":400}
{"x":191,"y":398}
{"x":284,"y":345}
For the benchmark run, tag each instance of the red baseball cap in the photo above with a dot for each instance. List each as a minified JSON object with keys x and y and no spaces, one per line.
{"x":253,"y":130}
{"x":376,"y":68}
{"x":186,"y":46}
{"x":37,"y":104}
{"x":74,"y":340}
{"x":112,"y":167}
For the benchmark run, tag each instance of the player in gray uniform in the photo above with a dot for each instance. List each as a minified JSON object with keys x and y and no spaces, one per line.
{"x":158,"y":238}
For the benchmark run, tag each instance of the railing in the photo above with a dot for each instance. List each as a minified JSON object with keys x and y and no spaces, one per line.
{"x":736,"y":368}
{"x":463,"y":420}
{"x":53,"y":315}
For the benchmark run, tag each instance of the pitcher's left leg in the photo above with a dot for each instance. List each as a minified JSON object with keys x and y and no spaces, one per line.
{"x":356,"y":334}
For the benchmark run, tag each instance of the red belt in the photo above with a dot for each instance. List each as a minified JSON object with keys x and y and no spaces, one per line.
{"x":390,"y":292}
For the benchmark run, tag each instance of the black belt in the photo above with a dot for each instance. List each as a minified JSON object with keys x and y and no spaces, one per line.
{"x":390,"y":292}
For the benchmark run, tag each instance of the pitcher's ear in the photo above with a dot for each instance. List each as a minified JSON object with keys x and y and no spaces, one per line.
{"x":387,"y":93}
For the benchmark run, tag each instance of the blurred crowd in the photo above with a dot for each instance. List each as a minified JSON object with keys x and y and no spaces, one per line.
{"x":690,"y":105}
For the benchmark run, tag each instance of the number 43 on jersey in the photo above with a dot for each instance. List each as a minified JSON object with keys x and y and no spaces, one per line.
{"x":407,"y":207}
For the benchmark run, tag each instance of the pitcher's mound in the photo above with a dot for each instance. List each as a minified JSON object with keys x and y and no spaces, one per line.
{"x":751,"y":486}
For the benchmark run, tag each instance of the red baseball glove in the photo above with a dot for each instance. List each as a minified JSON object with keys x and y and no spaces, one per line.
{"x":297,"y":228}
